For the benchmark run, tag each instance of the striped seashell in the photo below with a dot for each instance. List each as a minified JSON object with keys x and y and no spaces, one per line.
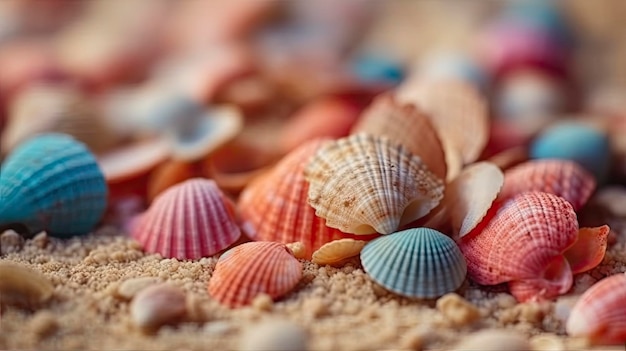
{"x":274,"y":207}
{"x":188,"y":221}
{"x":52,"y":182}
{"x":523,"y":244}
{"x":405,"y":124}
{"x":559,"y":177}
{"x":418,"y":263}
{"x":337,"y":251}
{"x":254,"y":268}
{"x":600,"y":313}
{"x":365,"y":184}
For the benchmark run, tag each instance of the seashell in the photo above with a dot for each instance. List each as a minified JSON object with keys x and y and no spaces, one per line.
{"x":509,"y":158}
{"x":494,"y":340}
{"x":457,"y":310}
{"x":600,"y":313}
{"x":130,"y":287}
{"x":589,"y":249}
{"x":52,"y":182}
{"x":274,"y":334}
{"x":10,"y":242}
{"x":578,"y":142}
{"x":457,"y":65}
{"x":559,"y":177}
{"x":336,"y":251}
{"x":20,"y":285}
{"x":364,"y":184}
{"x":405,"y":124}
{"x":188,"y":221}
{"x":457,"y":111}
{"x":523,"y":244}
{"x":158,"y":305}
{"x":419,"y":263}
{"x":170,"y":173}
{"x":377,"y":68}
{"x":254,"y":268}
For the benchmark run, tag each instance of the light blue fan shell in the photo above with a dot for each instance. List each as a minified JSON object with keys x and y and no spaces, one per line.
{"x":52,"y":182}
{"x":418,"y":263}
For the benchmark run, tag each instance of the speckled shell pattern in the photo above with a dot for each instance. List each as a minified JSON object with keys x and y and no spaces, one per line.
{"x":52,"y":182}
{"x":253,"y":268}
{"x":364,"y":184}
{"x":528,"y":234}
{"x":419,"y":263}
{"x":600,"y":313}
{"x":274,"y":207}
{"x":190,"y":220}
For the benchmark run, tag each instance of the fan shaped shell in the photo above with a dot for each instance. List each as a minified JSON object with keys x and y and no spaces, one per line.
{"x":52,"y":182}
{"x":418,"y":263}
{"x":364,"y":184}
{"x":189,"y":220}
{"x":336,"y":251}
{"x":253,"y":268}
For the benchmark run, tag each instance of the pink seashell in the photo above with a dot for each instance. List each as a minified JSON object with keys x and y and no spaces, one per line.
{"x":559,"y":177}
{"x":600,"y":313}
{"x":190,"y":220}
{"x":524,"y":244}
{"x":254,"y":268}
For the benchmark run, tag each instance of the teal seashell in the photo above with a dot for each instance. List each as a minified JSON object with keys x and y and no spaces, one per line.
{"x":52,"y":182}
{"x":418,"y":263}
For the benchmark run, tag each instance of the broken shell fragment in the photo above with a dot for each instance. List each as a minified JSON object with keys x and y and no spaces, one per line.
{"x":589,"y":249}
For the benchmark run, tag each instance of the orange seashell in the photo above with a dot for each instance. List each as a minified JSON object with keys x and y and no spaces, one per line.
{"x":171,"y":173}
{"x":274,"y":207}
{"x":335,"y":252}
{"x":405,"y":124}
{"x":589,"y":249}
{"x":560,"y":177}
{"x":524,"y":244}
{"x":188,"y":221}
{"x":600,"y":313}
{"x":254,"y":268}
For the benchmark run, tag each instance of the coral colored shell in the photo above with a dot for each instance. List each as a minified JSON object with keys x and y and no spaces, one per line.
{"x":52,"y":182}
{"x":405,"y":124}
{"x":364,"y":184}
{"x":254,"y":268}
{"x":457,"y":111}
{"x":589,"y":249}
{"x":190,"y":220}
{"x":559,"y":177}
{"x":419,"y":263}
{"x":600,"y":313}
{"x":524,"y":244}
{"x":274,"y":207}
{"x":336,"y":251}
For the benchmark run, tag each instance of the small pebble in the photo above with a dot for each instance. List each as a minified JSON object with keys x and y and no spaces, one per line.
{"x":494,"y":340}
{"x":130,"y":287}
{"x":22,"y":286}
{"x":458,"y":310}
{"x":263,"y":302}
{"x":273,"y":335}
{"x":218,"y":328}
{"x":44,"y":323}
{"x":41,"y":240}
{"x":298,"y":249}
{"x":10,"y":242}
{"x":158,"y":305}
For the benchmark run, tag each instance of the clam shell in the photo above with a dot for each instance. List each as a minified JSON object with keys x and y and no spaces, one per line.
{"x":524,"y":244}
{"x":336,"y":251}
{"x":189,"y":220}
{"x":405,"y":124}
{"x":254,"y":268}
{"x":559,"y":177}
{"x":418,"y":263}
{"x":364,"y":184}
{"x":134,"y":160}
{"x":274,"y":207}
{"x":600,"y":313}
{"x":52,"y":182}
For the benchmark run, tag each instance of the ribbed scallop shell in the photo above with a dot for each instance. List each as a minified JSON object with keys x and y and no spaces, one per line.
{"x":254,"y":268}
{"x":52,"y":182}
{"x":524,"y":242}
{"x":364,"y":184}
{"x":336,"y":251}
{"x":419,"y":263}
{"x":559,"y":177}
{"x":405,"y":124}
{"x":600,"y":313}
{"x":190,"y":220}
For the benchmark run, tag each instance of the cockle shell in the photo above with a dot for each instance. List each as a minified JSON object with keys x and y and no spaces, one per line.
{"x":190,"y":220}
{"x":52,"y":182}
{"x":274,"y":207}
{"x":364,"y":184}
{"x":254,"y":268}
{"x":418,"y":263}
{"x":600,"y":313}
{"x":336,"y":251}
{"x":523,"y":244}
{"x":404,"y":123}
{"x":559,"y":177}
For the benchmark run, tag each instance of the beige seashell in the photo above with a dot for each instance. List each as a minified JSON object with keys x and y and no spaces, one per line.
{"x":454,"y":158}
{"x":130,"y":287}
{"x":547,"y":342}
{"x":494,"y":340}
{"x":337,"y":251}
{"x":510,"y":157}
{"x":10,"y":242}
{"x":298,"y":249}
{"x":458,"y":310}
{"x":364,"y":184}
{"x":157,"y":305}
{"x":22,"y":286}
{"x":276,"y":335}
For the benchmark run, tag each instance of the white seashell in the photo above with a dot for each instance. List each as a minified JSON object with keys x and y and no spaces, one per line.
{"x":275,"y":335}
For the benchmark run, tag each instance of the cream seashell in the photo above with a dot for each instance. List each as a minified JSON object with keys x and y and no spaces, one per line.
{"x":20,"y":285}
{"x":157,"y":305}
{"x":337,"y":251}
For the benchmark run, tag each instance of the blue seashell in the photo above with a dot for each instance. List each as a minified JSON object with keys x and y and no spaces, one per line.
{"x":578,"y":142}
{"x":418,"y":263}
{"x":52,"y":182}
{"x":376,"y":68}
